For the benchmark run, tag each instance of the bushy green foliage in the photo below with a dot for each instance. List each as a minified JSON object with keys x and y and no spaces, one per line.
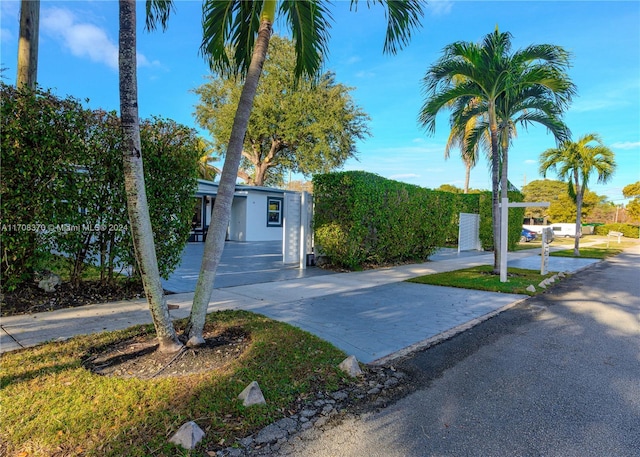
{"x":363,"y":219}
{"x":486,"y":217}
{"x":628,"y":230}
{"x":63,"y":186}
{"x":39,"y":132}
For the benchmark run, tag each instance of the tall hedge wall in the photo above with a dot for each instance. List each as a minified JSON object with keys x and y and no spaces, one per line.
{"x":62,"y":186}
{"x":362,"y":219}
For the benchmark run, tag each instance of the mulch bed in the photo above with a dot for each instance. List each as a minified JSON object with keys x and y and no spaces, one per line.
{"x":31,"y":299}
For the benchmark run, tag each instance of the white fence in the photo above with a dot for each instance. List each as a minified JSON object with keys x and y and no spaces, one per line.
{"x":469,"y":232}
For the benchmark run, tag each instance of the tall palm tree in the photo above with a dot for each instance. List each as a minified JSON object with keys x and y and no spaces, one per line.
{"x":137,"y":207}
{"x":503,"y":83}
{"x":205,"y":169}
{"x":28,"y":44}
{"x":575,"y":162}
{"x":246,"y":27}
{"x":463,"y":128}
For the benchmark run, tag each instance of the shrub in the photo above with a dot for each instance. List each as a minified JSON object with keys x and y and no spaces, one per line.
{"x":363,"y":219}
{"x":628,"y":230}
{"x":62,"y":186}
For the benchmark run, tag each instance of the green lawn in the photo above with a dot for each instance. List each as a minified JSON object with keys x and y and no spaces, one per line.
{"x":591,"y":252}
{"x":52,"y":405}
{"x":481,"y":278}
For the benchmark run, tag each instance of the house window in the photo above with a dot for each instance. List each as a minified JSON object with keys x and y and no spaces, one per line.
{"x":274,"y":212}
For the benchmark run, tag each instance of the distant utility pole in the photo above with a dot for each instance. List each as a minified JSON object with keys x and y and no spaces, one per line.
{"x":28,"y":44}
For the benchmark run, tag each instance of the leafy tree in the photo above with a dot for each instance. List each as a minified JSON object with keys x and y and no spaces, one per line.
{"x":632,"y":190}
{"x":562,"y":208}
{"x":575,"y":162}
{"x":633,"y":207}
{"x":246,"y":27}
{"x":137,"y":206}
{"x":450,"y":188}
{"x":499,"y":89}
{"x":305,"y":126}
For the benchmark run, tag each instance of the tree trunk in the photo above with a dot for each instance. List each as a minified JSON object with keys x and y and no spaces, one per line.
{"x":579,"y":197}
{"x":28,"y":44}
{"x":214,"y":243}
{"x":139,"y":219}
{"x":495,"y":187}
{"x":467,"y":176}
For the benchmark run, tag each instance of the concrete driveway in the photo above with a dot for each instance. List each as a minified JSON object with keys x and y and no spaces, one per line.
{"x":242,"y":263}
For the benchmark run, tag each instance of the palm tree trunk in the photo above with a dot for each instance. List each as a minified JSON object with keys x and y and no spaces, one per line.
{"x":467,"y":176}
{"x":495,"y":187}
{"x":579,"y":198}
{"x":139,"y":219}
{"x":214,"y":243}
{"x":28,"y":44}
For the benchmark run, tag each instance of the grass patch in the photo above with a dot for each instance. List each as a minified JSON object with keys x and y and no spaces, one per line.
{"x":52,"y":405}
{"x":592,"y":252}
{"x":481,"y":278}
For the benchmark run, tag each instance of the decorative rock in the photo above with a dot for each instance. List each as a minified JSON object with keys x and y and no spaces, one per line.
{"x":252,"y":395}
{"x":270,"y":434}
{"x":561,"y":275}
{"x":531,"y":288}
{"x":350,"y":366}
{"x":340,"y":395}
{"x":188,"y":436}
{"x":49,"y":282}
{"x":543,"y":284}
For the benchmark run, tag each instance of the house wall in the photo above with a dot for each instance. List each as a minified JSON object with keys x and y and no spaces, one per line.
{"x":256,"y":217}
{"x":238,"y":222}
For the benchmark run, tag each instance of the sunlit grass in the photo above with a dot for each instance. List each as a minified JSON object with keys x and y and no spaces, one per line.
{"x":52,"y":405}
{"x":481,"y":278}
{"x":593,"y":252}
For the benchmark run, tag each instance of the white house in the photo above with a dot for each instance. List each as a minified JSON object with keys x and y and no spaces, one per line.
{"x":257,"y":213}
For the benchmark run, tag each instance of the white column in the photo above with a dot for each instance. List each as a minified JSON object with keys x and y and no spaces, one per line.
{"x":504,"y":233}
{"x":304,"y":222}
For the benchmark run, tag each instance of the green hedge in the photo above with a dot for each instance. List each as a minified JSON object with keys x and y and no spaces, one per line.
{"x":362,"y":219}
{"x":62,"y":187}
{"x":628,"y":230}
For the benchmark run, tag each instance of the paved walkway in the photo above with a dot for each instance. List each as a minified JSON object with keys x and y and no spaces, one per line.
{"x":371,"y":314}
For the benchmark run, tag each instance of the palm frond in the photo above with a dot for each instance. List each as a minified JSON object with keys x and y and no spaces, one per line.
{"x":229,"y":22}
{"x":310,"y":22}
{"x":158,"y":11}
{"x":403,"y":16}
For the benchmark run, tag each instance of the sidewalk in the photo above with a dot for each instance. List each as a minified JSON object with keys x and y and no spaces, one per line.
{"x":371,"y":314}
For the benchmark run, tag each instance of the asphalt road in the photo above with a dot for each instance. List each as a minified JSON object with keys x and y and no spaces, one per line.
{"x":558,"y":375}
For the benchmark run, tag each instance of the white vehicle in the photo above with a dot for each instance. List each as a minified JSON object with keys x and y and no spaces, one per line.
{"x":564,"y":230}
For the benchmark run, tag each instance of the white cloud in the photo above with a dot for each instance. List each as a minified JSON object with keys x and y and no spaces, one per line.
{"x":530,"y":161}
{"x":365,"y":74}
{"x":617,"y":94}
{"x":440,"y":7}
{"x":404,"y":176}
{"x":84,"y":40}
{"x":626,"y":145}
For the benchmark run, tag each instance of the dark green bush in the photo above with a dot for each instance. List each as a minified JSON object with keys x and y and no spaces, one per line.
{"x":628,"y":230}
{"x":362,"y":219}
{"x":62,"y":186}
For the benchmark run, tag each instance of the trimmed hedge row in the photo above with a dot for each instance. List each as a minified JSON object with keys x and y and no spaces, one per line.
{"x":628,"y":230}
{"x":362,"y":219}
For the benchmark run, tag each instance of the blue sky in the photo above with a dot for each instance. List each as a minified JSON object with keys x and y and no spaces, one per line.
{"x":78,"y":57}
